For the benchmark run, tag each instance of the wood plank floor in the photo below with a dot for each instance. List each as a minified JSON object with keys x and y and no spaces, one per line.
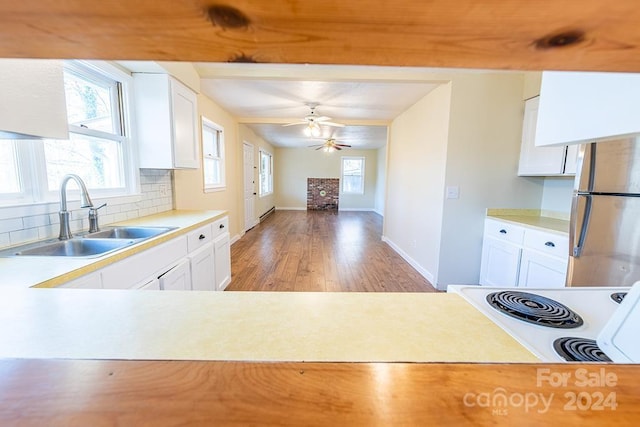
{"x":320,"y":251}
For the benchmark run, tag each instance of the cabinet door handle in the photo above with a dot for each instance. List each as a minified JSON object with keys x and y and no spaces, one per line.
{"x":503,"y":231}
{"x":550,"y":244}
{"x":202,"y":236}
{"x":221,"y":225}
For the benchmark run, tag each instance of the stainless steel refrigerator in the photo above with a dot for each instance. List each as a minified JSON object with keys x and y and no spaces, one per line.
{"x":604,"y":240}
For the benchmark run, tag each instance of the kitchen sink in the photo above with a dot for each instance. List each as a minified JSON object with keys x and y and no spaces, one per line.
{"x":128,"y":233}
{"x":75,"y":247}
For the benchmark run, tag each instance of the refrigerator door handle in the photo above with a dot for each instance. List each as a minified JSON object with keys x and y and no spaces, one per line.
{"x":576,"y":247}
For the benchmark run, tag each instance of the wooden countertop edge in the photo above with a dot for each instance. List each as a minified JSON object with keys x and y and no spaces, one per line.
{"x":92,"y":392}
{"x":111,"y":258}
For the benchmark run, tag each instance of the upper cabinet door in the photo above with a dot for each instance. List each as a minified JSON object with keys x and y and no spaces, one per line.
{"x":166,"y":122}
{"x":185,"y":113}
{"x":583,"y":107}
{"x":32,"y":100}
{"x":537,"y":160}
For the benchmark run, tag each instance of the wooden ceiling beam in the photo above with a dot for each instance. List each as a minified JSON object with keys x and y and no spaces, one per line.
{"x":495,"y":34}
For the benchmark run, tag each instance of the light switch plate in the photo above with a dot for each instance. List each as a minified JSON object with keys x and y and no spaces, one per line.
{"x":453,"y":192}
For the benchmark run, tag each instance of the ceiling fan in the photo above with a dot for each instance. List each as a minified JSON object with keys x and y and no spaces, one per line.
{"x":313,"y":122}
{"x":330,"y":145}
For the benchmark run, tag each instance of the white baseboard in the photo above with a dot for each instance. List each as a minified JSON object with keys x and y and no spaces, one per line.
{"x":379,"y":212}
{"x":236,"y":238}
{"x":279,"y":208}
{"x":423,"y":272}
{"x":356,"y":209}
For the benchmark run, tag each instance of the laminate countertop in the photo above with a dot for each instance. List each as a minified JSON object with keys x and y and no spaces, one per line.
{"x":533,"y":218}
{"x":250,"y":326}
{"x":47,"y":272}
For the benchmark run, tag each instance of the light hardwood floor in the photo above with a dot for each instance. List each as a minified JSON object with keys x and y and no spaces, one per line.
{"x":320,"y":251}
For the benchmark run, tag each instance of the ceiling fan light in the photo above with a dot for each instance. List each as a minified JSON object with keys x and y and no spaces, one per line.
{"x":307,"y":131}
{"x":315,"y":130}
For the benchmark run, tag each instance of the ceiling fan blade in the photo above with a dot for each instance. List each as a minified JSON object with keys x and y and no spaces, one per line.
{"x":337,"y":148}
{"x":317,"y":145}
{"x":343,"y":145}
{"x":339,"y":125}
{"x":321,"y":119}
{"x":295,"y":123}
{"x":319,"y":148}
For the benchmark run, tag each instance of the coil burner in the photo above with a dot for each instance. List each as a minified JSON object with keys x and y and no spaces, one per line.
{"x":573,"y":349}
{"x":535,"y":309}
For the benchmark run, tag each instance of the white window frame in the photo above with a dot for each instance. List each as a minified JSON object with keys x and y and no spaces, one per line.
{"x":262,"y":152}
{"x":31,"y":154}
{"x":211,"y":187}
{"x":342,"y":160}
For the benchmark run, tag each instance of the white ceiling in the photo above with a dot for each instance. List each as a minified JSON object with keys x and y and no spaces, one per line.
{"x":265,"y":98}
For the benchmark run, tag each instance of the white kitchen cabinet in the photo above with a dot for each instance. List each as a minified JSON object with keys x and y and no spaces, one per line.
{"x":178,"y":278}
{"x":500,"y":263}
{"x":33,"y":98}
{"x":138,"y":269}
{"x":542,"y":161}
{"x":578,"y":107}
{"x":519,"y":256}
{"x":88,"y":281}
{"x":167,"y":122}
{"x":151,"y":285}
{"x":202,"y":269}
{"x":538,"y":270}
{"x":222,"y":253}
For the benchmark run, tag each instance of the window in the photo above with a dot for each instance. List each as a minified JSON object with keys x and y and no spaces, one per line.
{"x":353,"y":175}
{"x":97,"y":150}
{"x":212,"y":155}
{"x":266,"y":173}
{"x":94,"y":149}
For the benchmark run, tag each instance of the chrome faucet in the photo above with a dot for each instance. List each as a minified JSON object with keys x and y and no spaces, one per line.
{"x":65,"y":232}
{"x":94,"y":227}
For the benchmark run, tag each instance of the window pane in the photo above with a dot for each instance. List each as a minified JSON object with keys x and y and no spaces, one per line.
{"x":351,"y":184}
{"x":97,"y":161}
{"x":210,"y":142}
{"x":212,"y":175}
{"x":9,"y":179}
{"x":89,"y":103}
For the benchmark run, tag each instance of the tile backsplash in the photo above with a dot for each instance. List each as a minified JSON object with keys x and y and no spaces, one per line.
{"x":24,"y":224}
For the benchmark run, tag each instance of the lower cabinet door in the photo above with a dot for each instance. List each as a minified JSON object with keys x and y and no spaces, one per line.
{"x":500,"y":262}
{"x":202,"y":269}
{"x":152,"y":285}
{"x":177,"y":279}
{"x":538,"y":270}
{"x":222,"y":253}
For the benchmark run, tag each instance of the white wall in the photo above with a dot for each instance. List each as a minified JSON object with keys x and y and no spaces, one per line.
{"x":478,"y":154}
{"x":415,"y":181}
{"x":381,"y":180}
{"x":482,"y":159}
{"x":292,"y":167}
{"x":556,"y":195}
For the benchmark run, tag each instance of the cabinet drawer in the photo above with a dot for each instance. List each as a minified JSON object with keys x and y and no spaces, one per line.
{"x":549,"y":243}
{"x":199,"y":237}
{"x":221,"y":226}
{"x":503,"y":231}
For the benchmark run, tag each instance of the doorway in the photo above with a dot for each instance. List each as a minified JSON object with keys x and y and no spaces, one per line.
{"x":249,"y":186}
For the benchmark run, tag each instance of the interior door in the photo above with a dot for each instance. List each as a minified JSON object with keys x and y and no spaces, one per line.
{"x":249,"y":187}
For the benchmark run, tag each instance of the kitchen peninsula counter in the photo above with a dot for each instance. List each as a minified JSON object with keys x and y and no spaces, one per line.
{"x":250,"y":326}
{"x":48,"y":272}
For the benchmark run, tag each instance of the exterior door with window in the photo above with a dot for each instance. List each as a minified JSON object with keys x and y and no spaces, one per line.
{"x":249,"y":187}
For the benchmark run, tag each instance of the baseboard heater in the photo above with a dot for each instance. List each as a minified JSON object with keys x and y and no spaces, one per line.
{"x":267,"y":213}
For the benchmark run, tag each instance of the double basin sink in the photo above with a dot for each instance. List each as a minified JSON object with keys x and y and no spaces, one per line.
{"x":90,"y":245}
